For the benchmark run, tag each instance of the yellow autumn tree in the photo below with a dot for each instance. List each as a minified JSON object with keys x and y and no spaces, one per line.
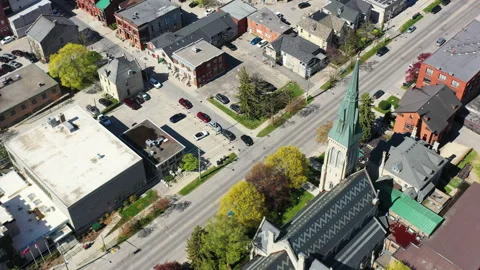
{"x":291,"y":162}
{"x":397,"y":265}
{"x":75,"y":65}
{"x":244,"y":203}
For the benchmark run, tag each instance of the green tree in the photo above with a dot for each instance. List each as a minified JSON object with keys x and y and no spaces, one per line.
{"x":74,"y":65}
{"x":350,"y":43}
{"x":226,"y":240}
{"x":246,"y":93}
{"x":367,"y":116}
{"x":291,"y":162}
{"x":246,"y":203}
{"x":189,"y":162}
{"x":397,"y":265}
{"x":195,"y":252}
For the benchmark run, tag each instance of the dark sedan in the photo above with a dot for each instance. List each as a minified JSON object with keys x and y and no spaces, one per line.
{"x":177,"y":117}
{"x":185,"y":103}
{"x":105,"y":102}
{"x":132,"y":104}
{"x":378,"y":94}
{"x":228,"y":134}
{"x":230,"y":46}
{"x":7,"y":68}
{"x":247,"y":140}
{"x":222,"y":98}
{"x":303,"y":5}
{"x":382,"y":51}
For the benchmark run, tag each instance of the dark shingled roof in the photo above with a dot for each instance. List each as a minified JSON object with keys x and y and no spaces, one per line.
{"x":322,"y":227}
{"x":435,"y":104}
{"x":455,"y":244}
{"x":297,"y":47}
{"x":45,"y":24}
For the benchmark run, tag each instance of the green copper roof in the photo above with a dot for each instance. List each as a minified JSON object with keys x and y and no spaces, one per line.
{"x":347,"y":130}
{"x":102,"y":4}
{"x":411,"y":211}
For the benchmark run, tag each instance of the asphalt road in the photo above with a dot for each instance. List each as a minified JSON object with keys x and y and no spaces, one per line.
{"x":167,"y":239}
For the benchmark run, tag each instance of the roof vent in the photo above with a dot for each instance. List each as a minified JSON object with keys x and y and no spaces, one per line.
{"x":195,"y":49}
{"x":131,"y":72}
{"x":339,"y":11}
{"x":397,"y":167}
{"x":107,"y":72}
{"x":41,"y":84}
{"x":54,"y":21}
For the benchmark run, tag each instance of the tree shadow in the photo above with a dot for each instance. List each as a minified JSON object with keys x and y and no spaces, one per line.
{"x":311,"y":108}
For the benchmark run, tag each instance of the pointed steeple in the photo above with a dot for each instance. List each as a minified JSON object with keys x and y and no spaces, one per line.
{"x":347,"y":130}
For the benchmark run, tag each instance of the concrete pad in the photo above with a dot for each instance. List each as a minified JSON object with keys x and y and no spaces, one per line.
{"x":453,"y":148}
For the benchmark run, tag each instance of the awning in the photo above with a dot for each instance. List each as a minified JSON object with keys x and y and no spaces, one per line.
{"x":102,"y":4}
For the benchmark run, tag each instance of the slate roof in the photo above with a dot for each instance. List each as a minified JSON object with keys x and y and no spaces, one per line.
{"x":260,"y":239}
{"x":205,"y":28}
{"x":455,"y":244}
{"x":409,"y":210}
{"x":297,"y":47}
{"x":415,"y":161}
{"x":147,"y":11}
{"x":267,"y":18}
{"x":347,"y":13}
{"x":45,"y":24}
{"x":315,"y":28}
{"x":327,"y":222}
{"x":118,"y":68}
{"x":238,"y":9}
{"x":457,"y":56}
{"x":329,"y":21}
{"x":194,"y":58}
{"x":435,"y":104}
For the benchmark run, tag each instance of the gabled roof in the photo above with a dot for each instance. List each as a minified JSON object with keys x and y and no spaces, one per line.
{"x":315,"y":28}
{"x":415,"y":163}
{"x":457,"y":56}
{"x":409,"y":210}
{"x":321,"y":227}
{"x":238,"y":9}
{"x":359,"y":5}
{"x":435,"y":104}
{"x":330,"y":21}
{"x":147,"y":11}
{"x":45,"y":24}
{"x":297,"y":47}
{"x":120,"y":69}
{"x":205,"y":28}
{"x":343,"y":11}
{"x":267,"y":18}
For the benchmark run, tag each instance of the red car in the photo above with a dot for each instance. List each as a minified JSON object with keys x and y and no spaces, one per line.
{"x":185,"y":103}
{"x":204,"y":117}
{"x":132,"y":103}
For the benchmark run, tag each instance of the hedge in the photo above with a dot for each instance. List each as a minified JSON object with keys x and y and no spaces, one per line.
{"x":384,"y":105}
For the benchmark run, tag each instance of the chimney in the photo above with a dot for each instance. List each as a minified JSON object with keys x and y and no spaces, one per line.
{"x":195,"y":49}
{"x":376,"y":200}
{"x":62,"y":117}
{"x":414,"y":133}
{"x":382,"y":165}
{"x":301,"y":262}
{"x":107,"y":72}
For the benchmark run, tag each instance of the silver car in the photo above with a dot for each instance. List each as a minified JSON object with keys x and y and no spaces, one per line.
{"x":15,"y":64}
{"x":9,"y":56}
{"x":216,"y":126}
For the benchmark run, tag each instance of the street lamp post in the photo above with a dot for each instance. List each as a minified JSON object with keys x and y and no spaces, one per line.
{"x":309,"y":73}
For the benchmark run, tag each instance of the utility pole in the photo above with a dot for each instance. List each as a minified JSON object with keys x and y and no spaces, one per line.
{"x":199,"y":167}
{"x":61,"y":254}
{"x":309,"y":73}
{"x":388,"y":23}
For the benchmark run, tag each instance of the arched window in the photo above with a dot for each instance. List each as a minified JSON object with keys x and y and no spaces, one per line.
{"x":332,"y":156}
{"x":339,"y":162}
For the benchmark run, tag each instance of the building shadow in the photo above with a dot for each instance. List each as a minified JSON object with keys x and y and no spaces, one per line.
{"x":88,"y":36}
{"x":150,"y":72}
{"x":117,"y":127}
{"x":188,"y":18}
{"x":232,"y":62}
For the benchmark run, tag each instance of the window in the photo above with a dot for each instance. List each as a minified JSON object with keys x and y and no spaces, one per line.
{"x":429,"y":71}
{"x":23,"y":107}
{"x":427,"y":80}
{"x":44,"y":95}
{"x":442,"y":77}
{"x":2,"y":117}
{"x":455,"y":84}
{"x":408,"y":126}
{"x":34,"y":101}
{"x":12,"y":112}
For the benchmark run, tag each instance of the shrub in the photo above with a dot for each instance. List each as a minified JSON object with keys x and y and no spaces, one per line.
{"x":384,"y":105}
{"x":161,"y":204}
{"x":295,"y":105}
{"x":132,"y":198}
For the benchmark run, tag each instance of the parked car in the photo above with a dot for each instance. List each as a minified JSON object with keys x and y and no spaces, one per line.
{"x":105,"y":102}
{"x":303,"y":5}
{"x":382,"y":51}
{"x":209,"y":11}
{"x":15,"y":64}
{"x":247,"y":140}
{"x":7,"y":81}
{"x":177,"y":117}
{"x":416,"y":15}
{"x":31,"y":57}
{"x":145,"y":96}
{"x":262,"y":43}
{"x":440,"y":41}
{"x":7,"y":68}
{"x":193,"y":4}
{"x":200,"y":135}
{"x":445,"y":2}
{"x":155,"y":83}
{"x":230,"y":46}
{"x":104,"y":120}
{"x":132,"y":104}
{"x":7,"y":39}
{"x":93,"y":110}
{"x":222,"y":98}
{"x":236,"y":108}
{"x":4,"y":59}
{"x":185,"y":103}
{"x":411,"y":29}
{"x":228,"y":134}
{"x":436,"y":9}
{"x":378,"y":94}
{"x":216,"y":126}
{"x":9,"y":56}
{"x":18,"y":53}
{"x":139,"y":99}
{"x":204,"y":117}
{"x":255,"y":40}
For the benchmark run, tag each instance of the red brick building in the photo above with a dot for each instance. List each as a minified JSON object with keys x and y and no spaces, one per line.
{"x":101,"y":10}
{"x":4,"y":23}
{"x":198,"y":63}
{"x":239,"y":11}
{"x":428,"y":111}
{"x":454,"y":64}
{"x":265,"y":24}
{"x":147,"y":20}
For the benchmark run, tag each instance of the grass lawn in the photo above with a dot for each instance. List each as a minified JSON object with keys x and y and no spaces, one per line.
{"x":206,"y":175}
{"x":394,"y":101}
{"x":409,"y":23}
{"x":304,"y":198}
{"x":137,"y":206}
{"x":241,"y":118}
{"x":293,"y":89}
{"x":455,"y":182}
{"x":474,"y":159}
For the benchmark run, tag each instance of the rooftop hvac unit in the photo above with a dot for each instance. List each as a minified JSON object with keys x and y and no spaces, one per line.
{"x":69,"y":126}
{"x":52,"y":121}
{"x":150,"y":142}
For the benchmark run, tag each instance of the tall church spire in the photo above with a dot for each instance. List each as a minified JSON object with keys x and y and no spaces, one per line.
{"x":344,"y":138}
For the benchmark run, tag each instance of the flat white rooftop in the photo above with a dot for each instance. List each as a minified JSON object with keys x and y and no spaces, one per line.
{"x":73,"y":164}
{"x":20,"y":200}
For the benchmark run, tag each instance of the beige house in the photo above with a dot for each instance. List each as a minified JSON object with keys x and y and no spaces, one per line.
{"x":121,"y":78}
{"x":321,"y":29}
